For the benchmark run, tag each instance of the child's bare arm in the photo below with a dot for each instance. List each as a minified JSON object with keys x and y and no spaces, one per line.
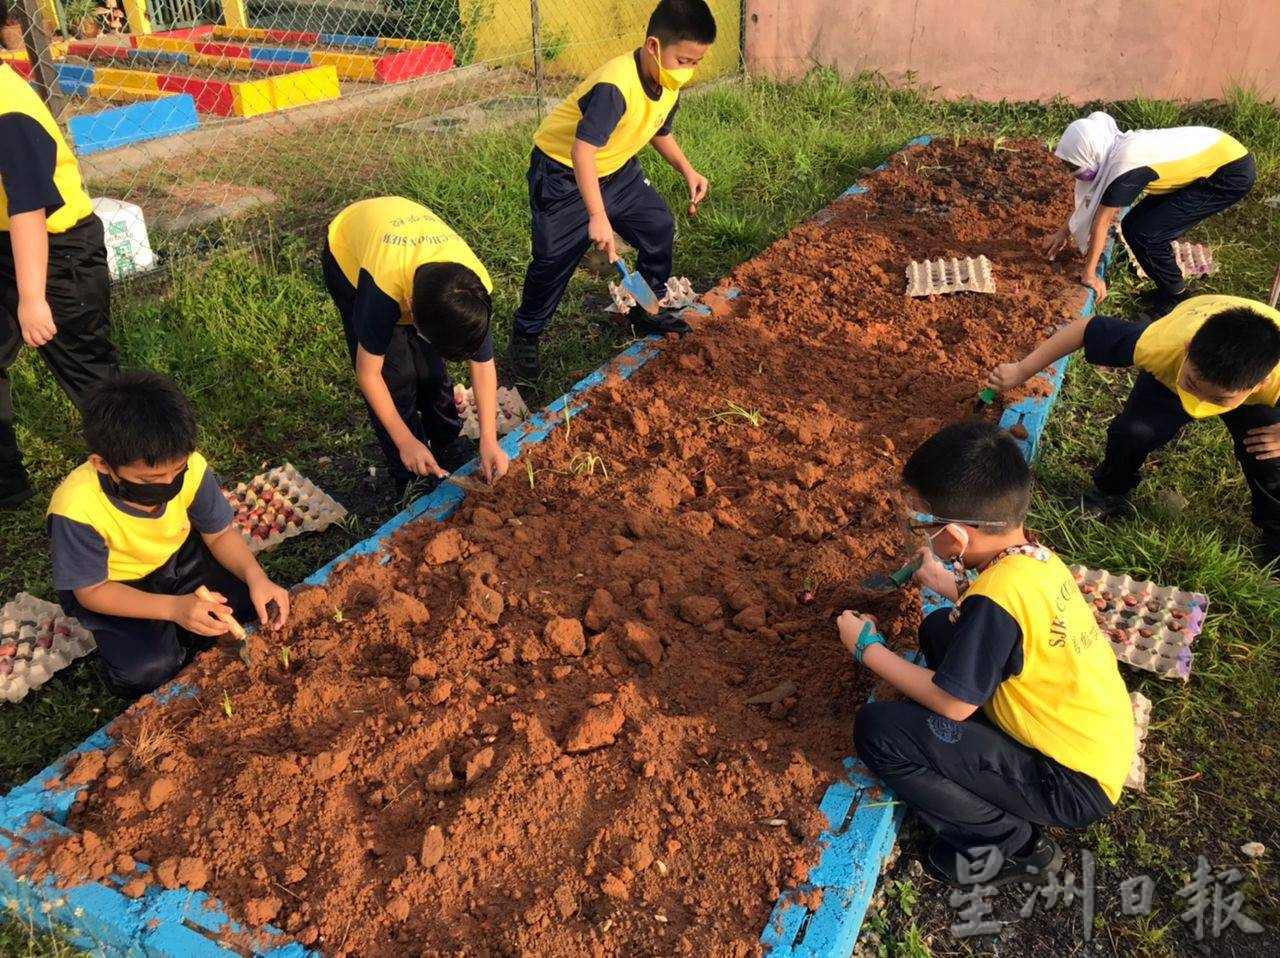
{"x":916,"y":682}
{"x":1065,"y":341}
{"x":670,"y":151}
{"x":233,"y":554}
{"x":587,"y":174}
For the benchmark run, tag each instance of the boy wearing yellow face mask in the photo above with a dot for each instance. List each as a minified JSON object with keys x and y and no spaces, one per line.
{"x":1210,"y":356}
{"x":585,"y":180}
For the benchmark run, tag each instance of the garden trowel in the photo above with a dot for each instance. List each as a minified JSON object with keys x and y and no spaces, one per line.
{"x":237,"y":630}
{"x":882,"y":584}
{"x":634,"y":284}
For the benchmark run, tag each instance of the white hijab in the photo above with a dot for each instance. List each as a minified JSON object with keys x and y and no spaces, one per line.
{"x":1096,"y":143}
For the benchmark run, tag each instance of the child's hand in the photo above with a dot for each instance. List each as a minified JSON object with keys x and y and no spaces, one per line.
{"x":1054,"y":243}
{"x":418,"y":460}
{"x":600,"y":232}
{"x":35,"y":318}
{"x":1007,"y":376}
{"x":494,"y":460}
{"x":263,"y":592}
{"x":697,"y":189}
{"x":197,"y":615}
{"x":933,"y":574}
{"x":1095,"y":283}
{"x":858,"y":633}
{"x":1263,"y":442}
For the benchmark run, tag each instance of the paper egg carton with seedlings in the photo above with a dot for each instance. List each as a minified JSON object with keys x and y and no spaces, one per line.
{"x":512,"y":410}
{"x":36,"y":640}
{"x":1141,"y":723}
{"x":1149,"y":626}
{"x":679,"y":295}
{"x":279,"y":504}
{"x":1194,"y":259}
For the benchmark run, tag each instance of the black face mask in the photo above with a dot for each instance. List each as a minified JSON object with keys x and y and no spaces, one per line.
{"x":143,"y":493}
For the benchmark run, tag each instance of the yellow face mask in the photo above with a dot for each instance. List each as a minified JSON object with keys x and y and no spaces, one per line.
{"x":672,"y":79}
{"x":1197,"y":408}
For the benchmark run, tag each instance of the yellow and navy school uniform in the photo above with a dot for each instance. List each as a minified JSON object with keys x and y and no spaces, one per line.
{"x":39,"y":172}
{"x":1215,"y":173}
{"x":618,"y":111}
{"x":1053,"y":740}
{"x":97,"y":538}
{"x":373,"y":249}
{"x":1154,"y":413}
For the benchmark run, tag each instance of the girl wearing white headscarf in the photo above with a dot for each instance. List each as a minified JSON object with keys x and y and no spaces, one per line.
{"x":1188,"y":172}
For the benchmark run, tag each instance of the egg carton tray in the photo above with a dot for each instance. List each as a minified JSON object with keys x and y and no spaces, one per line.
{"x":1194,"y":259}
{"x":679,"y":295}
{"x":512,"y":410}
{"x":935,"y":277}
{"x":36,"y":641}
{"x":1149,"y":626}
{"x":1137,"y":779}
{"x":280,"y":504}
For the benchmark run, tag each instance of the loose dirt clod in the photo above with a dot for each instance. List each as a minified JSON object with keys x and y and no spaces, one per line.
{"x":566,"y":636}
{"x":596,"y":727}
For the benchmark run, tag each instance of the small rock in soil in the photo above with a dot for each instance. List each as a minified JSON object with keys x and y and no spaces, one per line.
{"x":432,"y":847}
{"x":596,"y":727}
{"x":483,"y":518}
{"x":600,"y":611}
{"x":699,"y":609}
{"x":751,"y":618}
{"x":446,"y":547}
{"x":329,"y":765}
{"x":441,"y":777}
{"x":640,"y":643}
{"x":1253,"y":849}
{"x":484,"y":603}
{"x":398,"y":908}
{"x":565,"y":636}
{"x":477,"y":764}
{"x":135,"y":889}
{"x":161,"y":791}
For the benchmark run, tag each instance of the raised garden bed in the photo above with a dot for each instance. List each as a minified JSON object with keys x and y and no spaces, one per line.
{"x":444,"y":762}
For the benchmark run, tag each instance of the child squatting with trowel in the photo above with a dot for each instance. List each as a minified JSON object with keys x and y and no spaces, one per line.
{"x":1020,"y":719}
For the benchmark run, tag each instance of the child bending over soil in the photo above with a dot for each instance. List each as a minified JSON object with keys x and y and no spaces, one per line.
{"x":139,"y":527}
{"x":1020,"y":719}
{"x":1211,"y":356}
{"x":585,"y":180}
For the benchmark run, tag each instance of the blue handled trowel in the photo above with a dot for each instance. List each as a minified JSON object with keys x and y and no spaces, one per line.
{"x":634,"y":284}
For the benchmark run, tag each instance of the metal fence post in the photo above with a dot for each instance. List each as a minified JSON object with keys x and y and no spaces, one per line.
{"x":535,"y":16}
{"x":43,"y":73}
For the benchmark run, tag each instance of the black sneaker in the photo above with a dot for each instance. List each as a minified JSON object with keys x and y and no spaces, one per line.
{"x":1155,"y":303}
{"x":523,"y":353}
{"x":1033,"y":867}
{"x":14,"y":492}
{"x":666,"y":321}
{"x":1101,"y":506}
{"x":455,"y":455}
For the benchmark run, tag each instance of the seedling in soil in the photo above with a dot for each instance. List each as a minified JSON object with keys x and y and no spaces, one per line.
{"x":997,"y":145}
{"x":805,"y":596}
{"x":586,"y":463}
{"x":568,"y":420}
{"x":732,"y":412}
{"x":337,"y":613}
{"x":285,"y":656}
{"x":528,"y":468}
{"x":226,"y":703}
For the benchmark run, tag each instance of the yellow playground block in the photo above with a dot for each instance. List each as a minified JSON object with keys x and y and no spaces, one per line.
{"x":126,"y":79}
{"x":304,"y":86}
{"x":349,"y":66}
{"x":220,"y":62}
{"x":171,"y":44}
{"x":252,"y":97}
{"x":240,"y":33}
{"x":123,"y":94}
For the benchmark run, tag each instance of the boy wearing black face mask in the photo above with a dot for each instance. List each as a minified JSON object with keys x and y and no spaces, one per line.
{"x":139,"y":527}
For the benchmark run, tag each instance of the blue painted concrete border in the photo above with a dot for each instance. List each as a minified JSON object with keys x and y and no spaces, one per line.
{"x":134,"y":123}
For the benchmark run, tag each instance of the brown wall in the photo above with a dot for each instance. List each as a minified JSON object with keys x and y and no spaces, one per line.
{"x":1027,"y":49}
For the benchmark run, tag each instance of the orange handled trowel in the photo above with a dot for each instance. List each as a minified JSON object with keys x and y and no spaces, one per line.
{"x":229,"y":620}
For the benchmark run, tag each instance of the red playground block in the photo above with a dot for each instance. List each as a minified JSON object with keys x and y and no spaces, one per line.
{"x":416,"y":62}
{"x":20,"y":67}
{"x":211,"y":96}
{"x":183,"y":33}
{"x":237,"y":51}
{"x":115,"y":51}
{"x":291,"y":36}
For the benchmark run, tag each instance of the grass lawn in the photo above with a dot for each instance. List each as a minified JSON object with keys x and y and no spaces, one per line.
{"x":248,"y":331}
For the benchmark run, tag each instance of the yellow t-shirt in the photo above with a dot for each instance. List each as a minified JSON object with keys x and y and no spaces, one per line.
{"x":1162,"y":346}
{"x":40,"y":171}
{"x":136,"y":545}
{"x":1175,"y":174}
{"x":642,"y":116}
{"x":1060,"y":692}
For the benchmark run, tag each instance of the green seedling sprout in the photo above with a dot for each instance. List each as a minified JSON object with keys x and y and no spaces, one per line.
{"x":585,"y":464}
{"x":337,"y":613}
{"x":226,"y":703}
{"x":997,"y":145}
{"x":568,"y":420}
{"x":285,"y":656}
{"x":528,"y":468}
{"x":732,"y":411}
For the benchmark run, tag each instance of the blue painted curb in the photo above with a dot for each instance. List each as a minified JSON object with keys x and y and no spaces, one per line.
{"x":279,"y":55}
{"x":147,"y":120}
{"x":865,"y":816}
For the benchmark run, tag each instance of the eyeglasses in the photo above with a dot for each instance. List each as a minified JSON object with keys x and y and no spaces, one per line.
{"x":923,"y":521}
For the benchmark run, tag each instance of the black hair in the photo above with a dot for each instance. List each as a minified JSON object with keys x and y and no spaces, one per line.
{"x":1236,"y":348}
{"x":451,"y":308}
{"x":676,"y":20}
{"x":971,"y":470}
{"x":138,"y":416}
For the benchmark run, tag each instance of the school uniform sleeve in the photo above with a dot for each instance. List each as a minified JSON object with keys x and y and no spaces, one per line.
{"x":79,"y":554}
{"x":374,"y":316}
{"x":27,"y":162}
{"x":1127,"y":187}
{"x":485,"y":353}
{"x":1110,"y":341}
{"x":665,"y":130}
{"x":209,"y":510}
{"x":602,"y":108}
{"x":986,"y":649}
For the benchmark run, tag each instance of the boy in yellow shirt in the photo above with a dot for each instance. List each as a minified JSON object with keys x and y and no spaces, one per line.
{"x":139,"y":527}
{"x":585,"y":180}
{"x":1210,"y":356}
{"x":1019,"y":718}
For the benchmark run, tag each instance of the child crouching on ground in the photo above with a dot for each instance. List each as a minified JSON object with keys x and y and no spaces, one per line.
{"x":139,"y":527}
{"x":1020,"y":718}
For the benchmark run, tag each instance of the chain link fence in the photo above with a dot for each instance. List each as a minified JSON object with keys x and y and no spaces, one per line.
{"x":188,"y":113}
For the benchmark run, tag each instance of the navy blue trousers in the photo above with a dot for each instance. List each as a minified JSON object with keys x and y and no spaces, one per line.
{"x":140,"y":655}
{"x":970,"y":782}
{"x":1152,"y":417}
{"x":1154,"y":223}
{"x":416,"y":376}
{"x":638,"y":214}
